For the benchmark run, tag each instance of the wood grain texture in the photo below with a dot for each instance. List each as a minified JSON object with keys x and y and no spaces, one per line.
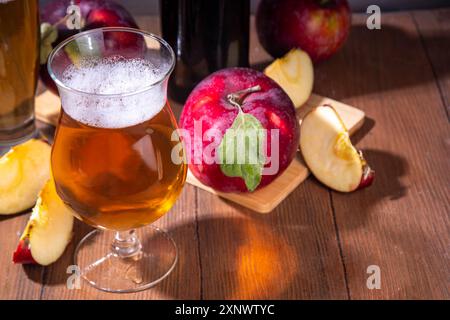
{"x":434,"y":30}
{"x":16,"y":281}
{"x":400,"y":223}
{"x":291,"y":253}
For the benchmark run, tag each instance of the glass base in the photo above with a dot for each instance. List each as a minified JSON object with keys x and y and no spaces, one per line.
{"x":12,"y":137}
{"x":104,"y":269}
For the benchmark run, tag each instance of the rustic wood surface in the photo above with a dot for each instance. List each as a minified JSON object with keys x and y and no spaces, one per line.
{"x":318,"y":243}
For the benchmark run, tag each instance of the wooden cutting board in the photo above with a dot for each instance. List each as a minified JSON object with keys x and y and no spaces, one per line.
{"x":265,"y":199}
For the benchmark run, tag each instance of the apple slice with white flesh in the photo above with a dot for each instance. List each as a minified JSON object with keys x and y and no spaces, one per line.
{"x":295,"y":74}
{"x":48,"y":231}
{"x":329,"y":153}
{"x":23,"y":172}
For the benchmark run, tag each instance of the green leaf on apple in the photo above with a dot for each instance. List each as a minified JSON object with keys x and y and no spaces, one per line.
{"x":241,"y":150}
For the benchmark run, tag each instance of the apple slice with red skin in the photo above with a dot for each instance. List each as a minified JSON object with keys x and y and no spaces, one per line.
{"x":329,"y":153}
{"x":48,"y":231}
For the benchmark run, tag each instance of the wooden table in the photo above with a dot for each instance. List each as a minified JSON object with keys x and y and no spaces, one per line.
{"x":318,"y":243}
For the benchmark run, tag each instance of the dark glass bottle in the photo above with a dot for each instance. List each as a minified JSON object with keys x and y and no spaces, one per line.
{"x":206,"y":35}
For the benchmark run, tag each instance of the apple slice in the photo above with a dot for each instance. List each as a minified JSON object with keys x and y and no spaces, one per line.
{"x":48,"y":231}
{"x":329,"y":154}
{"x":23,"y":171}
{"x":295,"y":74}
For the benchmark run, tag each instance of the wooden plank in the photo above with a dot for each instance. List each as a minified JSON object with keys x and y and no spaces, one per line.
{"x":17,"y":281}
{"x":434,"y":30}
{"x":401,"y":222}
{"x":266,"y":199}
{"x":291,"y":253}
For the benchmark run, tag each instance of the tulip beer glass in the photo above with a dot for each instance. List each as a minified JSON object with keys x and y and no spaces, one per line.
{"x":19,"y":62}
{"x":112,"y":156}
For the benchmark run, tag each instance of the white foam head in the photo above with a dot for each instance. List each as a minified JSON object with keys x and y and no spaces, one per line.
{"x":113,"y":76}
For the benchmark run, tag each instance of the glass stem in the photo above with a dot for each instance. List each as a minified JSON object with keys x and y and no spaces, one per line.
{"x":126,"y":244}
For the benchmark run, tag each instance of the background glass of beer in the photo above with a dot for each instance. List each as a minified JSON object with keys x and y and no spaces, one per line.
{"x":19,"y":54}
{"x":112,"y":155}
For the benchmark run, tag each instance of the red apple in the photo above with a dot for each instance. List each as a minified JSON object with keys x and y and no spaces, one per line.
{"x":212,"y":104}
{"x":319,"y":27}
{"x":94,"y":14}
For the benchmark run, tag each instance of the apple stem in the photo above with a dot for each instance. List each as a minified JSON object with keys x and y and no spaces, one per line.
{"x":64,"y":19}
{"x":236,"y":98}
